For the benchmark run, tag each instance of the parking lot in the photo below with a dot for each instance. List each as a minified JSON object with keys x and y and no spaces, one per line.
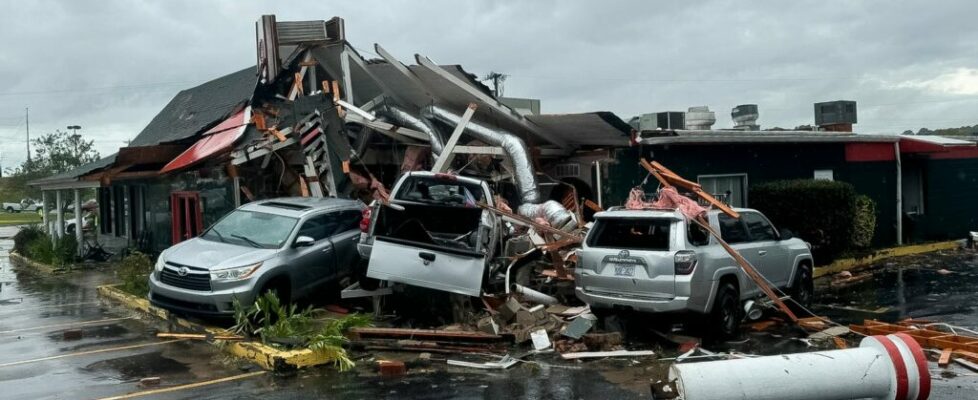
{"x":41,"y":355}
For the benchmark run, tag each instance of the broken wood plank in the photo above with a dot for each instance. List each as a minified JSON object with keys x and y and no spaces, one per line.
{"x":945,"y":358}
{"x":593,"y":206}
{"x":424,"y":334}
{"x":278,"y":135}
{"x":604,"y":354}
{"x":197,"y":336}
{"x":448,"y":153}
{"x":521,"y":220}
{"x":840,"y":343}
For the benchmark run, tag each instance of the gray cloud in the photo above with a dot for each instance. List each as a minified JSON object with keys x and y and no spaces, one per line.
{"x":109,"y":66}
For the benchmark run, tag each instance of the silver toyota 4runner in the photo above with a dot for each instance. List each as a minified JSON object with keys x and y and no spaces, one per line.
{"x":658,"y":261}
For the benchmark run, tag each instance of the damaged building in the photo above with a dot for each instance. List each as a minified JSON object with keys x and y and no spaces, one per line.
{"x":314,"y":117}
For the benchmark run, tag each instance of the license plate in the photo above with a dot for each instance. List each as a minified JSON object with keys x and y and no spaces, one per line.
{"x":625,"y":270}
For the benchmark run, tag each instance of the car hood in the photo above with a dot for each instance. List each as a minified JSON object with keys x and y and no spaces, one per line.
{"x":212,"y":255}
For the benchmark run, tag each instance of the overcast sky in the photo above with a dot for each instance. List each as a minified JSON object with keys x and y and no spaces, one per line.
{"x":110,"y":66}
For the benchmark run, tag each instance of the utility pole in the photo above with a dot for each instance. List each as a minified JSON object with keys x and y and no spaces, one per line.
{"x":27,"y":118}
{"x":497,"y":81}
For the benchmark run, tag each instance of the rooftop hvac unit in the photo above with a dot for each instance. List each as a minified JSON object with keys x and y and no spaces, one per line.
{"x":669,"y":120}
{"x":700,"y":118}
{"x":745,"y":117}
{"x":840,"y":112}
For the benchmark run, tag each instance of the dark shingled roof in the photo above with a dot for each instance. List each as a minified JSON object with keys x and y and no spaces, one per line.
{"x":73,"y":174}
{"x":196,"y":109}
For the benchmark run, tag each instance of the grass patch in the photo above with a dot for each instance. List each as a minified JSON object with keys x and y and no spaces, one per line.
{"x":24,"y":218}
{"x":281,"y":325}
{"x":33,"y":243}
{"x":134,"y":271}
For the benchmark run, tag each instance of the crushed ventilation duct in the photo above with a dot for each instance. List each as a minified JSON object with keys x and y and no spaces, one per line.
{"x":400,"y":117}
{"x":550,"y":211}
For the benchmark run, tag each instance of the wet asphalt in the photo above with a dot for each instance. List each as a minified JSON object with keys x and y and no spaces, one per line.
{"x":38,"y":362}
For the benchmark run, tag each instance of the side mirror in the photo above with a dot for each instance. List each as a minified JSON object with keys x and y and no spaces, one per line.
{"x":787,"y":234}
{"x":303,"y":241}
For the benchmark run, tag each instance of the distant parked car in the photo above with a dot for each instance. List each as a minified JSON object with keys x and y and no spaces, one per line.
{"x":25,"y":205}
{"x":657,"y":261}
{"x":293,"y":246}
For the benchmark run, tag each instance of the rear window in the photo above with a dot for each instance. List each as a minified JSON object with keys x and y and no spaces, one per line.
{"x":631,"y":233}
{"x":441,"y":191}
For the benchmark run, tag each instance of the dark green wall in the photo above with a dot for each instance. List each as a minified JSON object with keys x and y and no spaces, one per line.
{"x":762,"y":163}
{"x":950,"y":199}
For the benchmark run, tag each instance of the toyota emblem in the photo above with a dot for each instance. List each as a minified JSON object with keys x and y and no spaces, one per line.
{"x":623,"y":254}
{"x":183,"y":271}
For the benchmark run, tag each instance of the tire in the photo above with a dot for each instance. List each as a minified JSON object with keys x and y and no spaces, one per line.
{"x":724,"y":319}
{"x":10,"y":210}
{"x":803,"y":287}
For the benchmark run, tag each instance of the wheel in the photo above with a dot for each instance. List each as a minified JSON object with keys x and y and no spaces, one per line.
{"x":70,"y":229}
{"x":724,"y":320}
{"x":10,"y":210}
{"x":803,"y":287}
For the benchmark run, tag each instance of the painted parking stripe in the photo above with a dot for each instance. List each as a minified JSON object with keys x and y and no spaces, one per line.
{"x":185,"y":387}
{"x":67,"y":325}
{"x":84,"y":353}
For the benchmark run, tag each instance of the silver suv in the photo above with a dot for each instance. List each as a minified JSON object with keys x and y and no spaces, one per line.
{"x":290,"y":245}
{"x":658,"y":261}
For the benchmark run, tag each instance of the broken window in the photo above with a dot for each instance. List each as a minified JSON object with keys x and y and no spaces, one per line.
{"x":631,"y":233}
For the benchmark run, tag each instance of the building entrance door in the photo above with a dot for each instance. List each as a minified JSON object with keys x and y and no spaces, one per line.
{"x":187,"y":219}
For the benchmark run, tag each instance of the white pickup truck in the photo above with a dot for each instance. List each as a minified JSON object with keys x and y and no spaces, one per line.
{"x":433,"y":233}
{"x":25,"y":205}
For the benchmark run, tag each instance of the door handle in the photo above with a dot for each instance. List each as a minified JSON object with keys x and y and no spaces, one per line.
{"x":761,"y":252}
{"x":427,"y":257}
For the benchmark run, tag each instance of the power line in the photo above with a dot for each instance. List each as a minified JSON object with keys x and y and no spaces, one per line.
{"x":60,"y":91}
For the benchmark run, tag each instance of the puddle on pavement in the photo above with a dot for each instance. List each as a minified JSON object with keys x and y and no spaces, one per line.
{"x":96,"y":332}
{"x":138,"y":366}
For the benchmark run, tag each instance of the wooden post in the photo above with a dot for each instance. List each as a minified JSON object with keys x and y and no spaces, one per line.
{"x":447,"y":155}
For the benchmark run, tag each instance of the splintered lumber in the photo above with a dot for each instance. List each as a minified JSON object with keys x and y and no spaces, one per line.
{"x":424,"y":334}
{"x":603,"y":354}
{"x":669,"y":179}
{"x":197,"y":336}
{"x":945,"y":358}
{"x":840,"y":343}
{"x":962,"y":346}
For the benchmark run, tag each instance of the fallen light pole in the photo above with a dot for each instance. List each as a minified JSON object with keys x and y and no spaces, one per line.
{"x":882,"y":367}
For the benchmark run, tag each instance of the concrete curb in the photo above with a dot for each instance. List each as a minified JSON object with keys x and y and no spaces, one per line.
{"x":41,"y":267}
{"x":267,"y":357}
{"x":849,"y":264}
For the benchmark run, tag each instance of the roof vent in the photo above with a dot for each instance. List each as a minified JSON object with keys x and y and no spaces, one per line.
{"x":700,"y":118}
{"x":662,"y":120}
{"x":745,"y":117}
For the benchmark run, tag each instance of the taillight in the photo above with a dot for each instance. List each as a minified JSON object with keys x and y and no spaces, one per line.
{"x":685,"y":262}
{"x":365,"y":220}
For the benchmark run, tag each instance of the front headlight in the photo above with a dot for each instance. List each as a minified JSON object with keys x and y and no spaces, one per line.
{"x":234,"y":274}
{"x":159,"y":263}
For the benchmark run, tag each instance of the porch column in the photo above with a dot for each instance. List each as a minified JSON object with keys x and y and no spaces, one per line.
{"x":59,"y":229}
{"x":44,"y":213}
{"x":899,"y":194}
{"x":78,"y":222}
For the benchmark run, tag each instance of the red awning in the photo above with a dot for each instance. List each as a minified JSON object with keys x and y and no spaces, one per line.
{"x":213,"y":141}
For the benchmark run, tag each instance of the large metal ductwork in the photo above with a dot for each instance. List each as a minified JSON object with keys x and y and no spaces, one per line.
{"x":399,"y":116}
{"x":551,"y":211}
{"x":511,"y":144}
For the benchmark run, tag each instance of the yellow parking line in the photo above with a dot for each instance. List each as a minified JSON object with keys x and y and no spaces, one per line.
{"x":83,"y":353}
{"x":184,"y":387}
{"x":67,"y":325}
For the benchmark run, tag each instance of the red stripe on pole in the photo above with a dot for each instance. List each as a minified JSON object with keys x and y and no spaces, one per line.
{"x":898,"y":365}
{"x":921,"y":360}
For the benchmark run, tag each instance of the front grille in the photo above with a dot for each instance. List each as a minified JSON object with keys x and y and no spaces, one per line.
{"x":196,"y":279}
{"x":187,"y":305}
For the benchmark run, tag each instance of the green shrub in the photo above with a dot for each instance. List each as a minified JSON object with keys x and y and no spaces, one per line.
{"x":134,"y":271}
{"x":24,"y":236}
{"x":820,"y":212}
{"x":65,"y":251}
{"x":864,"y":222}
{"x":41,"y":249}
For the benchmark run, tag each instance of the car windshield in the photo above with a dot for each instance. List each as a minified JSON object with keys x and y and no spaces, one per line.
{"x":440,"y":190}
{"x":252,"y":229}
{"x":631,"y":233}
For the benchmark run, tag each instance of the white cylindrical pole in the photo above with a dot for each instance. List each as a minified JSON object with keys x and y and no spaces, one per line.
{"x":532,"y":295}
{"x":59,"y":229}
{"x":79,"y":222}
{"x":883,"y":367}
